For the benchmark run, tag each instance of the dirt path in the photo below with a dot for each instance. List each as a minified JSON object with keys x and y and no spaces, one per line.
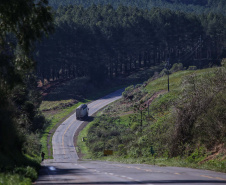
{"x":147,"y":102}
{"x":155,"y":95}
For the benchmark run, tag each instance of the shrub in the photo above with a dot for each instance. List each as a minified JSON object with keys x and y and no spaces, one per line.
{"x":197,"y":156}
{"x":28,"y":172}
{"x":200,"y":114}
{"x":192,"y":68}
{"x":223,"y":62}
{"x":11,"y":179}
{"x":163,"y":72}
{"x":32,"y":145}
{"x":127,"y":91}
{"x":176,"y":67}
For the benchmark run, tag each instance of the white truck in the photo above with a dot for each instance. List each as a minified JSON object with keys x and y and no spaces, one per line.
{"x":82,"y":112}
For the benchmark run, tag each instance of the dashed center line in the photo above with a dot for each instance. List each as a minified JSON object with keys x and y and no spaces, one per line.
{"x":209,"y":177}
{"x":219,"y":178}
{"x":65,"y":133}
{"x":115,"y":175}
{"x":130,"y":167}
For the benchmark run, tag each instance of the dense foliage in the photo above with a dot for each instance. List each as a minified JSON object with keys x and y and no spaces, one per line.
{"x":199,"y":117}
{"x":101,"y":42}
{"x":197,"y":6}
{"x":22,"y":22}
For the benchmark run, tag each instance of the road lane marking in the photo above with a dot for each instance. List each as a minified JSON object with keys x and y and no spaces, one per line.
{"x":218,"y":178}
{"x":134,"y":168}
{"x":138,"y":168}
{"x":61,"y":125}
{"x":148,"y":170}
{"x":129,"y":178}
{"x":207,"y":176}
{"x":90,"y":106}
{"x":65,"y":133}
{"x":104,"y":102}
{"x":115,"y":175}
{"x":101,"y":101}
{"x":76,"y":119}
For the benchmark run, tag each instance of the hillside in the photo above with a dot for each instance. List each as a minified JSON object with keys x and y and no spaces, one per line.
{"x":185,"y":125}
{"x":103,"y":43}
{"x":89,"y":46}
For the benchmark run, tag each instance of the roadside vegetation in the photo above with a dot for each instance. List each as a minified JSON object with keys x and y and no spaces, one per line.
{"x":17,"y":168}
{"x":23,"y":23}
{"x":183,"y":127}
{"x":63,"y":100}
{"x":93,"y":51}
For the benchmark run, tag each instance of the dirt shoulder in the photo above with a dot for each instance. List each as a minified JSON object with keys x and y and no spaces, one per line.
{"x":81,"y":127}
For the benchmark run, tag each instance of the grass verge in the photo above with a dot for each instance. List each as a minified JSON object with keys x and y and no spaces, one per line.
{"x":81,"y":146}
{"x":16,"y":168}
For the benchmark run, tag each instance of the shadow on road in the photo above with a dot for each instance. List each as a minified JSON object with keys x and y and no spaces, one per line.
{"x":88,"y":119}
{"x":141,"y":182}
{"x":44,"y":178}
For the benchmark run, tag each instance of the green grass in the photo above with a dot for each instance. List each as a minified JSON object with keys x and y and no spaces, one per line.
{"x":164,"y":101}
{"x":16,"y":168}
{"x":82,"y":144}
{"x":14,"y":179}
{"x":125,"y":119}
{"x":50,"y":105}
{"x":162,"y":83}
{"x":152,"y":87}
{"x":161,"y":109}
{"x":175,"y":80}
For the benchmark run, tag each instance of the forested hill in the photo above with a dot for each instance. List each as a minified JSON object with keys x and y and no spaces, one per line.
{"x":101,"y":42}
{"x":197,"y":6}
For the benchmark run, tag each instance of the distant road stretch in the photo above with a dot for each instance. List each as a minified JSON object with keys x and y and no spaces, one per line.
{"x":66,"y":169}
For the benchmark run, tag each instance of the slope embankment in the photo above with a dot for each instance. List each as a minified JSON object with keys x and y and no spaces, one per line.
{"x":182,"y":127}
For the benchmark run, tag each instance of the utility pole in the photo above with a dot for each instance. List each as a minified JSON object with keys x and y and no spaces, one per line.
{"x":148,"y":108}
{"x":141,"y":124}
{"x":168,"y":80}
{"x":167,"y":66}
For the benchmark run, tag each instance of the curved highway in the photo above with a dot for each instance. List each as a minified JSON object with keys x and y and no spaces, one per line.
{"x":62,"y":141}
{"x":66,"y":169}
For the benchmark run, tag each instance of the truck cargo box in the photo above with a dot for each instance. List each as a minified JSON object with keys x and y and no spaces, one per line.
{"x":82,"y":111}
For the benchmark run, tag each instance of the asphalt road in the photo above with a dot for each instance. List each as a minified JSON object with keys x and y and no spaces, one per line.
{"x":65,"y":168}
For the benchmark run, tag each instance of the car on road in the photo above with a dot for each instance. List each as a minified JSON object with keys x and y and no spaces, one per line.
{"x":82,"y":112}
